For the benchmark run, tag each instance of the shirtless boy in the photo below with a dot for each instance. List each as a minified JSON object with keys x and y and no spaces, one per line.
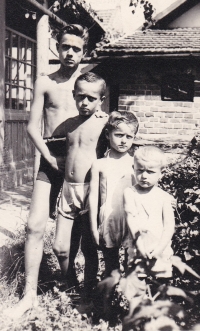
{"x":85,"y":143}
{"x":53,"y":101}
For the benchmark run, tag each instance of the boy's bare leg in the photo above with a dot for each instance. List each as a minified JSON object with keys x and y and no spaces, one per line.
{"x":63,"y":249}
{"x":74,"y":247}
{"x":111,"y":257}
{"x":39,"y":213}
{"x":89,"y":249}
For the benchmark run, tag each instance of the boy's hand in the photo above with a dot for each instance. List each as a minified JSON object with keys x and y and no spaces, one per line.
{"x":155,"y":253}
{"x":141,"y":247}
{"x":61,"y":163}
{"x":100,"y":114}
{"x":57,"y":163}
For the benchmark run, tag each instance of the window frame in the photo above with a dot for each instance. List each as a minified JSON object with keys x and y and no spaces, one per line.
{"x":177,"y":87}
{"x":10,"y":102}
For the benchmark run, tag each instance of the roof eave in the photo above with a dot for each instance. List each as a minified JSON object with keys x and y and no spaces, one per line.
{"x":148,"y":55}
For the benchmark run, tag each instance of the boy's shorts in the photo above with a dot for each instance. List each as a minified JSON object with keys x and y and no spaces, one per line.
{"x":50,"y":175}
{"x":74,"y":200}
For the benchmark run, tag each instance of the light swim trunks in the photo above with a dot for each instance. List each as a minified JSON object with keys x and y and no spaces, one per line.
{"x":74,"y":199}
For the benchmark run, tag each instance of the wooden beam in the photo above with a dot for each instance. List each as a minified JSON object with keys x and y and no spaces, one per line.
{"x":113,"y":57}
{"x":46,"y":11}
{"x":42,"y":62}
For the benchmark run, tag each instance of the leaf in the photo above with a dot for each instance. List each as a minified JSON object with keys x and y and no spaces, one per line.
{"x":132,"y":286}
{"x":134,"y":303}
{"x":175,"y":291}
{"x":189,"y":190}
{"x":182,"y":267}
{"x":188,"y":256}
{"x":158,"y":308}
{"x":194,"y":208}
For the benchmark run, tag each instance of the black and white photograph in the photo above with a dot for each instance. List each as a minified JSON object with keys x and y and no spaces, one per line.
{"x":100,"y":165}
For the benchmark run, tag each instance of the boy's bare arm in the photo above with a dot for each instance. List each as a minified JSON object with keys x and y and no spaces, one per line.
{"x":93,"y":200}
{"x":35,"y":121}
{"x":168,"y":230}
{"x":102,"y":144}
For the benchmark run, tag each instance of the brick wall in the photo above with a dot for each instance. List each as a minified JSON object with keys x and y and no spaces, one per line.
{"x":157,"y":117}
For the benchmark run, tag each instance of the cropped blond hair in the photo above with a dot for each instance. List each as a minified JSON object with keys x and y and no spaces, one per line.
{"x":150,"y":153}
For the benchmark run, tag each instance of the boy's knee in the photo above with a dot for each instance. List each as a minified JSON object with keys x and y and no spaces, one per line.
{"x":61,"y":251}
{"x":35,"y":231}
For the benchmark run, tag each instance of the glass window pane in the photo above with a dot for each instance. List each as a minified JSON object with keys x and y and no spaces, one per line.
{"x":7,"y":70}
{"x":22,"y":49}
{"x":7,"y":95}
{"x":8,"y":49}
{"x":14,"y":72}
{"x":14,"y":45}
{"x":22,"y":75}
{"x":29,"y":51}
{"x":14,"y":97}
{"x":28,"y":99}
{"x":28,"y":76}
{"x":33,"y":75}
{"x":21,"y":96}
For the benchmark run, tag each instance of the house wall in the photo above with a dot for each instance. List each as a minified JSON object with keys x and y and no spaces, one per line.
{"x":141,"y":93}
{"x":190,"y":19}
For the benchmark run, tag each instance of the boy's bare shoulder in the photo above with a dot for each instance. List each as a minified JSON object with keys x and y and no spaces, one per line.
{"x":43,"y":82}
{"x":100,"y":117}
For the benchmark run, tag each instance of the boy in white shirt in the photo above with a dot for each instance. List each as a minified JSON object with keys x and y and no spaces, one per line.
{"x":149,"y":210}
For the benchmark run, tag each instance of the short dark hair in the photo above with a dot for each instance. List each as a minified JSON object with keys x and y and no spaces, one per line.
{"x":122,"y":116}
{"x":76,"y":30}
{"x":91,"y":77}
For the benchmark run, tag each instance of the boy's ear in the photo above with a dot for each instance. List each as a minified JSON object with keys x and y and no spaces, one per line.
{"x":107,"y":133}
{"x":57,"y":46}
{"x":103,"y":98}
{"x":73,"y":92}
{"x":84,"y":52}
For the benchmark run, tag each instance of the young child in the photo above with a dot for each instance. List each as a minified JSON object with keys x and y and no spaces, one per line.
{"x":109,"y":177}
{"x":149,"y":210}
{"x":84,"y":144}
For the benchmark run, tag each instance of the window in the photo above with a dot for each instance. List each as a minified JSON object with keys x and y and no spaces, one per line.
{"x":177,"y":88}
{"x":20,"y":70}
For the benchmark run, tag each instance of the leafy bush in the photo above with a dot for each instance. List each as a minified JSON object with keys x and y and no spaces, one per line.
{"x":182,"y":181}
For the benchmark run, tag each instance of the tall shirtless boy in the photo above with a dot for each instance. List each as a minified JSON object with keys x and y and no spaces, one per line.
{"x":85,"y":142}
{"x":53,"y":101}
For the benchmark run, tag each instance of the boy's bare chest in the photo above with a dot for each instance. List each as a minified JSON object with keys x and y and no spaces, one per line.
{"x":86,"y":134}
{"x":60,"y":96}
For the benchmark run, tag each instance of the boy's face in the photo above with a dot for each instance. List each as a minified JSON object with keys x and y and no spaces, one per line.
{"x":88,"y":97}
{"x":70,"y":50}
{"x":147,"y":173}
{"x":121,"y":138}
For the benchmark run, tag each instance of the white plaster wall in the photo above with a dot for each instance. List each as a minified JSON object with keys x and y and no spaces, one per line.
{"x":189,"y":19}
